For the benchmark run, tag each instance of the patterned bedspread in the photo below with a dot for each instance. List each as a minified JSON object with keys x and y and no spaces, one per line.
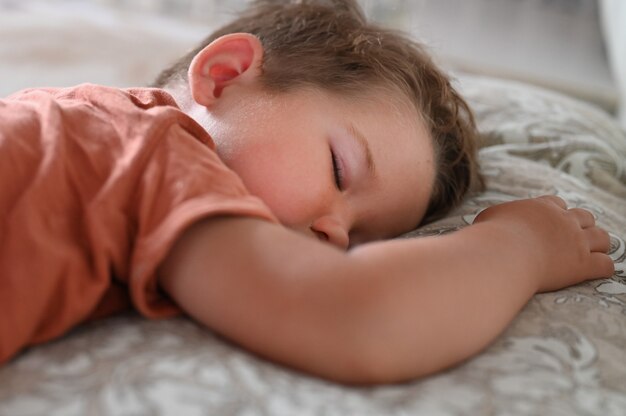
{"x":565,"y":354}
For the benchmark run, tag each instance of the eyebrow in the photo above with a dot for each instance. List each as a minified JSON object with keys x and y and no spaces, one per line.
{"x":364,"y":144}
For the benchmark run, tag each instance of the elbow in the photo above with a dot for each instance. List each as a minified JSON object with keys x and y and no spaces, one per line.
{"x":385,"y":364}
{"x":374,"y":371}
{"x":361,"y":367}
{"x":369,"y":374}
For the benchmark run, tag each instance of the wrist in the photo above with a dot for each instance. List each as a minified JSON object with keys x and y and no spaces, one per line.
{"x":512,"y":247}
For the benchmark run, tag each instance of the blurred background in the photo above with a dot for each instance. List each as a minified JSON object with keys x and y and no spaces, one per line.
{"x":577,"y":47}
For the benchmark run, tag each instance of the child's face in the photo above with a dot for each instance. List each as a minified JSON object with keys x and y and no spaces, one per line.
{"x":343,"y":170}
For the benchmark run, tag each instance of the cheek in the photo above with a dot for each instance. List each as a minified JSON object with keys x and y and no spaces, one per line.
{"x":283,"y":184}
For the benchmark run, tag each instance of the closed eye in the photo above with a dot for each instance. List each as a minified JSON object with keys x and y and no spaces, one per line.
{"x":337,"y":171}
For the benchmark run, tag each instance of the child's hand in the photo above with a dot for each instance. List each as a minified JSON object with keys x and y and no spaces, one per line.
{"x":566,"y":245}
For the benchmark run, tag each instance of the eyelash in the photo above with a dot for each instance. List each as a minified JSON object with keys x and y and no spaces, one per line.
{"x":337,"y":171}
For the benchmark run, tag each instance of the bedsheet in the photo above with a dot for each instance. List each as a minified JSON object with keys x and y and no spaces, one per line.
{"x":565,"y":354}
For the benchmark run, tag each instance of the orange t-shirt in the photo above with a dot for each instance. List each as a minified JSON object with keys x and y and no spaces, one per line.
{"x":96,"y":184}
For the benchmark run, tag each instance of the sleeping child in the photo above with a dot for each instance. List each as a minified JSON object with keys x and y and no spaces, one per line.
{"x":256,"y":188}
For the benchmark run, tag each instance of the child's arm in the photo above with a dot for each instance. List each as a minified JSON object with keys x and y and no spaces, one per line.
{"x":386,"y":311}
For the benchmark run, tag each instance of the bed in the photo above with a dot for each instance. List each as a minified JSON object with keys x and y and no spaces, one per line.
{"x":565,"y":354}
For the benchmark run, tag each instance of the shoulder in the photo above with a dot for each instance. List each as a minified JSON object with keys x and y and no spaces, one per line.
{"x":148,"y":114}
{"x":140,"y":98}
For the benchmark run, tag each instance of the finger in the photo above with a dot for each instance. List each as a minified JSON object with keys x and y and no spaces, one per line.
{"x":555,"y":200}
{"x":599,"y":240}
{"x":585,"y":217}
{"x":601,"y":266}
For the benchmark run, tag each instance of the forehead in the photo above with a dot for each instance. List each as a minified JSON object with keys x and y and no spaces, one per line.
{"x":382,"y":107}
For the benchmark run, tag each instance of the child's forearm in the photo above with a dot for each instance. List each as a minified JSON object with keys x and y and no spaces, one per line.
{"x":442,"y":299}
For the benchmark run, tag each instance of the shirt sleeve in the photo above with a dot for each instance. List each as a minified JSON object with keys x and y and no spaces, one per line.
{"x":96,"y":185}
{"x":183,"y":183}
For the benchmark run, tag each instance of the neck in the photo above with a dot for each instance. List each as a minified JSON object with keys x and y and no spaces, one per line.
{"x":180,"y":93}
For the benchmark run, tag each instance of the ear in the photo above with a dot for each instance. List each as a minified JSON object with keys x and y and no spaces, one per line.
{"x":230,"y":59}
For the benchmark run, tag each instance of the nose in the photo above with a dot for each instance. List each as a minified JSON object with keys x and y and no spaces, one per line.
{"x":331,"y":230}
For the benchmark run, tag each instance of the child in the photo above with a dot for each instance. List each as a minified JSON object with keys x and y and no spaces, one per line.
{"x":253,"y":191}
